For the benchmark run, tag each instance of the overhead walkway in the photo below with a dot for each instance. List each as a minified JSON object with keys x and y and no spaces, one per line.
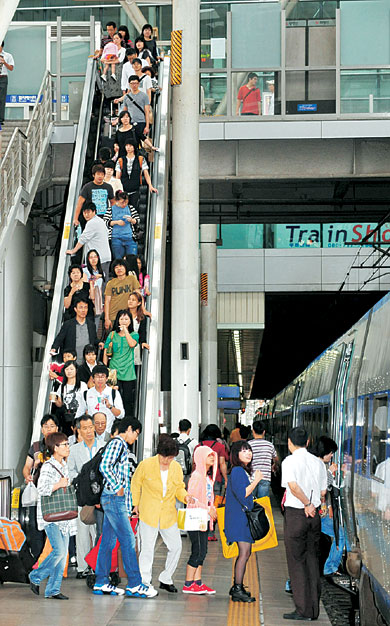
{"x":154,"y":213}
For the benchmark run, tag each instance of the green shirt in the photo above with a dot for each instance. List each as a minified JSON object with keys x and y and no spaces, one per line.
{"x":122,"y":359}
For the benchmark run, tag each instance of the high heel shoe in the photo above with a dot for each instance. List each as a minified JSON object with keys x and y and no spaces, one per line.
{"x":239,"y":594}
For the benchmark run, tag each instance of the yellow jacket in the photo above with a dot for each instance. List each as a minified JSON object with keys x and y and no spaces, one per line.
{"x":147,"y":492}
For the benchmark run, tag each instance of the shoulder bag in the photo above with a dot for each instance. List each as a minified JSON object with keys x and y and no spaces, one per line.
{"x":110,"y":349}
{"x":257,"y":520}
{"x":61,"y":505}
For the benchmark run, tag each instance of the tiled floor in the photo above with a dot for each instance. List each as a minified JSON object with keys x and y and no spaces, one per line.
{"x":19,"y":607}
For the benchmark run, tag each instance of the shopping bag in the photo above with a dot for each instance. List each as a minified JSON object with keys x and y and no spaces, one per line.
{"x":269,"y":541}
{"x":30,"y":495}
{"x":192,"y":519}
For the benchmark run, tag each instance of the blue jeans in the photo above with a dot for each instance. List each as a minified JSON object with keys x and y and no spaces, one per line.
{"x":262,"y":489}
{"x":122,"y":245}
{"x":54,"y":564}
{"x":116,"y":524}
{"x":336,"y":553}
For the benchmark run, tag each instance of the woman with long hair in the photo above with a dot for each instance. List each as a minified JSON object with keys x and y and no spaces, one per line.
{"x":124,"y":31}
{"x":136,"y":310}
{"x":96,"y":279}
{"x":238,"y":497}
{"x":125,"y":133}
{"x":143,"y":276}
{"x":200,"y":487}
{"x":142,"y":51}
{"x":70,"y":402}
{"x":123,"y":341}
{"x":54,"y":475}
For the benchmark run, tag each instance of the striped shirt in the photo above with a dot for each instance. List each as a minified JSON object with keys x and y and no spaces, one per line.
{"x":263,"y":453}
{"x":117,"y":469}
{"x":108,"y":218}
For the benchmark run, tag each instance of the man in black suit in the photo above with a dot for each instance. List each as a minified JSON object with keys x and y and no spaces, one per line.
{"x":77,"y":332}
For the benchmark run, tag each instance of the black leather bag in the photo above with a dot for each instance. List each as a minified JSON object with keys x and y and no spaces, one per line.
{"x":257,"y":521}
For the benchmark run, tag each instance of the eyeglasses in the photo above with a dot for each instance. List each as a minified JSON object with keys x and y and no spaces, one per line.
{"x":65,"y":443}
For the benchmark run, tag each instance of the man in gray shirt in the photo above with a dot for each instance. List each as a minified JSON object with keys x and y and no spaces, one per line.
{"x":136,"y":102}
{"x":94,"y":237}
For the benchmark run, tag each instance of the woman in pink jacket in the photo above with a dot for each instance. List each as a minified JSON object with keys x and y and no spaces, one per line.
{"x":201,"y":486}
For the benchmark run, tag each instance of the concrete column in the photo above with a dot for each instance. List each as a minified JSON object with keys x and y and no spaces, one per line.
{"x":185,"y":222}
{"x":16,"y":317}
{"x":209,"y":336}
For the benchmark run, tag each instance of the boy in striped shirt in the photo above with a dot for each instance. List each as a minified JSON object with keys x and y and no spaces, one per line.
{"x":264,"y":455}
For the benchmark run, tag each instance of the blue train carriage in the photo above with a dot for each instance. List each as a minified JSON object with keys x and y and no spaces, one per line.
{"x":365,"y":461}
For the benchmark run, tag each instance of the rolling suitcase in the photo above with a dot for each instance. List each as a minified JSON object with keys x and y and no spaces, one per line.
{"x":16,"y":560}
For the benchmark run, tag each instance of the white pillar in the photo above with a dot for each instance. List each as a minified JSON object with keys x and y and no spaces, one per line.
{"x":209,"y":336}
{"x":185,"y":221}
{"x":16,"y":316}
{"x":7,"y":10}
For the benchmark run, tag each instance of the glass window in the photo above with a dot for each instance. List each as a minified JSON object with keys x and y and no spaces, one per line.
{"x":310,"y":10}
{"x":379,"y":433}
{"x":213,"y":35}
{"x":256,"y":35}
{"x":19,"y":41}
{"x":213,"y":94}
{"x":365,"y":91}
{"x":365,"y":27}
{"x":242,"y":236}
{"x":297,"y":236}
{"x":256,"y":92}
{"x":309,"y":92}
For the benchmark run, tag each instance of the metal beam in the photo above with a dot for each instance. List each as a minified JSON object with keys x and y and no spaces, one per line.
{"x":134,"y":13}
{"x":7,"y":10}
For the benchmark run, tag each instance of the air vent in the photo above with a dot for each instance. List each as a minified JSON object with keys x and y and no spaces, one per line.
{"x":71,"y":31}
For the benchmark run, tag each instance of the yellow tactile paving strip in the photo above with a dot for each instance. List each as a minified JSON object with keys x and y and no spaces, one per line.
{"x":244,"y":613}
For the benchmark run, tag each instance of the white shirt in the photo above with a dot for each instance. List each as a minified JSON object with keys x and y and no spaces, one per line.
{"x":309,"y":472}
{"x":96,"y":404}
{"x":8,"y":58}
{"x":95,"y":236}
{"x":115,"y":184}
{"x":164,"y":478}
{"x":129,"y":71}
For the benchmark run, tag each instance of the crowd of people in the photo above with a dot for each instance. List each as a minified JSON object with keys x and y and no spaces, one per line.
{"x":233,"y":468}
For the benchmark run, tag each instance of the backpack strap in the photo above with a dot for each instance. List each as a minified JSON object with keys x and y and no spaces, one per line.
{"x":37,"y":446}
{"x":185,"y":443}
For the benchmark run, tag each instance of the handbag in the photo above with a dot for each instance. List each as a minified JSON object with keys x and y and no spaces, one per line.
{"x":87,"y":515}
{"x":110,"y":349}
{"x":257,"y":521}
{"x":30,"y":495}
{"x":192,"y":519}
{"x":138,"y":233}
{"x":61,"y":505}
{"x":112,"y":379}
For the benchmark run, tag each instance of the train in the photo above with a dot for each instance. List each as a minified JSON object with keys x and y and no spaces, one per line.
{"x":345,"y":394}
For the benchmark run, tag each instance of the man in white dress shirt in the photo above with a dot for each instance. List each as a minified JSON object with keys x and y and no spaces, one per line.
{"x":304,"y":476}
{"x":7,"y":64}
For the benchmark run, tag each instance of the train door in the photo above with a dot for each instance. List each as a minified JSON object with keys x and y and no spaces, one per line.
{"x":339,"y":409}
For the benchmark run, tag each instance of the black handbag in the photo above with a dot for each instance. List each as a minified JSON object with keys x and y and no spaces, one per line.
{"x":257,"y":521}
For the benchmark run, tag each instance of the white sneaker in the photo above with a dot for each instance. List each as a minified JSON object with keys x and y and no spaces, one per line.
{"x":104,"y":77}
{"x":113,"y":76}
{"x":142,"y":591}
{"x":100,"y":590}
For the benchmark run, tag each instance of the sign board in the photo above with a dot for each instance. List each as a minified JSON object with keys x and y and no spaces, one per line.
{"x":30,"y":99}
{"x":306,"y":107}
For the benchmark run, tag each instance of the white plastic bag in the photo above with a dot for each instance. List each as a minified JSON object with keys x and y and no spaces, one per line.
{"x":30,"y":495}
{"x":196,"y":519}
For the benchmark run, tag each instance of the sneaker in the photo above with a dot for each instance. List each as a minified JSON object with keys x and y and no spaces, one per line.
{"x":141,"y":591}
{"x":107,"y":589}
{"x":207,"y":590}
{"x":104,"y":77}
{"x":195,"y":589}
{"x":113,"y":76}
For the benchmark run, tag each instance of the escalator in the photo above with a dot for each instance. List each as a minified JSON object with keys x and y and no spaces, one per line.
{"x":153,"y":210}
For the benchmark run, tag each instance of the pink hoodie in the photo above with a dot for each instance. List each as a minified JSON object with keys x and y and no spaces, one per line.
{"x":197,"y":483}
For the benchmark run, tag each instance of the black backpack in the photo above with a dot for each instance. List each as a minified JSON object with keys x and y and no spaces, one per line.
{"x":184,"y":457}
{"x":89,"y":484}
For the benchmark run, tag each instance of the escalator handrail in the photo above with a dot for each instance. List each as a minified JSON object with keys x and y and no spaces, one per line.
{"x":76,"y":178}
{"x":150,"y":384}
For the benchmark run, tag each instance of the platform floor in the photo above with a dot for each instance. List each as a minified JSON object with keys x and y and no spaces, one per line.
{"x":19,"y":607}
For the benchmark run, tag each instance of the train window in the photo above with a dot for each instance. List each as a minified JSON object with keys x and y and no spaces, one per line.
{"x":325,"y":426}
{"x":379,"y":432}
{"x":366,"y":407}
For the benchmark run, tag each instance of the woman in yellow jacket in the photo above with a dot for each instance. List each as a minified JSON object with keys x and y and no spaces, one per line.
{"x":156,"y":484}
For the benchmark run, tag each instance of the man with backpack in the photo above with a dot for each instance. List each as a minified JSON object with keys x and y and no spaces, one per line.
{"x":104,"y":399}
{"x":117,"y":505}
{"x":186,"y":448}
{"x":81,"y":453}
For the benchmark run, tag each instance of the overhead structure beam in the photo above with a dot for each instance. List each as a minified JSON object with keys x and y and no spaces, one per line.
{"x":7,"y":11}
{"x":134,"y":13}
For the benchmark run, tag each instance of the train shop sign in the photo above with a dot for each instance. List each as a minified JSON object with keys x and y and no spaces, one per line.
{"x":327,"y":235}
